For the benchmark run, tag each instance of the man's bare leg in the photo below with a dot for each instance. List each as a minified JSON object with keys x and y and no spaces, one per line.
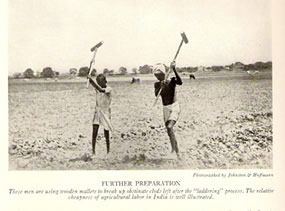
{"x":107,"y":137}
{"x":169,"y":126}
{"x":94,"y":136}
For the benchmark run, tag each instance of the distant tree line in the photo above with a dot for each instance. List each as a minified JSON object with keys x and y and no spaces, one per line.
{"x":48,"y":72}
{"x":231,"y":67}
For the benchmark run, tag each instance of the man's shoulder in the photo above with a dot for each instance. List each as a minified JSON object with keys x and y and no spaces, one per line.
{"x":157,"y":83}
{"x":172,"y":80}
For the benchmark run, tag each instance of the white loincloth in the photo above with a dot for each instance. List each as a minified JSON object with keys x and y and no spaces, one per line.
{"x":171,"y":112}
{"x":103,"y":117}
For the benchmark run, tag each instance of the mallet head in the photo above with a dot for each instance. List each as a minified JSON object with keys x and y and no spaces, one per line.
{"x":183,"y":35}
{"x":97,"y":46}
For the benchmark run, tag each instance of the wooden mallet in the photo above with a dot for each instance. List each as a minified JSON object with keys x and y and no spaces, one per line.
{"x":94,"y":49}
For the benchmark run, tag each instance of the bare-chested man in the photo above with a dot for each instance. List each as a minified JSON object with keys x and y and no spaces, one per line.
{"x":171,"y":107}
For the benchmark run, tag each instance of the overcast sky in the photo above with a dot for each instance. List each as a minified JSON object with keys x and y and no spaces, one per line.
{"x":60,"y":33}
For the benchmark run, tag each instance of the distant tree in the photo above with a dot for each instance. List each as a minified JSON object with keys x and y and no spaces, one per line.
{"x":260,"y":65}
{"x":209,"y":69}
{"x":238,"y":66}
{"x":217,"y":68}
{"x":106,"y":71}
{"x":249,"y":67}
{"x":189,"y":69}
{"x":123,"y":70}
{"x":47,"y":72}
{"x":135,"y":70}
{"x":268,"y":64}
{"x":84,"y":71}
{"x":29,"y":73}
{"x":145,"y":69}
{"x":72,"y":71}
{"x":56,"y":73}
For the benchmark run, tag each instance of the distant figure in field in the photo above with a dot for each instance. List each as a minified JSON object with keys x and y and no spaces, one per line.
{"x":171,"y":107}
{"x":192,"y":76}
{"x":135,"y":80}
{"x":102,"y":115}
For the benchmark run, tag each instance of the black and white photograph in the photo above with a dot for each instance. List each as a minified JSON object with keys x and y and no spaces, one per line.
{"x":140,"y":85}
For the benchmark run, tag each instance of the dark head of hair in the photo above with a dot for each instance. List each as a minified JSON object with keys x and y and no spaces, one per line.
{"x":101,"y":80}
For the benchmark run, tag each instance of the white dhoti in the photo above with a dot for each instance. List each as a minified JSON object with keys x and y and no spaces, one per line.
{"x":103,"y":117}
{"x":171,"y":112}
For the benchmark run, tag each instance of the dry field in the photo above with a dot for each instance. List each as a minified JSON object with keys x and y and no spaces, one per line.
{"x":225,"y":123}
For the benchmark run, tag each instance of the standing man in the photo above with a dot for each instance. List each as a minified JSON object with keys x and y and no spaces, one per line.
{"x":171,"y":107}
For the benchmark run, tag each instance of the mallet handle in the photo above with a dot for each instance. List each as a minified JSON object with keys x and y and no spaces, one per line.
{"x":178,"y":50}
{"x":90,"y":66}
{"x":168,"y":73}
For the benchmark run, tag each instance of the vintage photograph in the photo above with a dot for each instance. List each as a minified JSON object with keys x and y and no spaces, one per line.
{"x":139,"y":85}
